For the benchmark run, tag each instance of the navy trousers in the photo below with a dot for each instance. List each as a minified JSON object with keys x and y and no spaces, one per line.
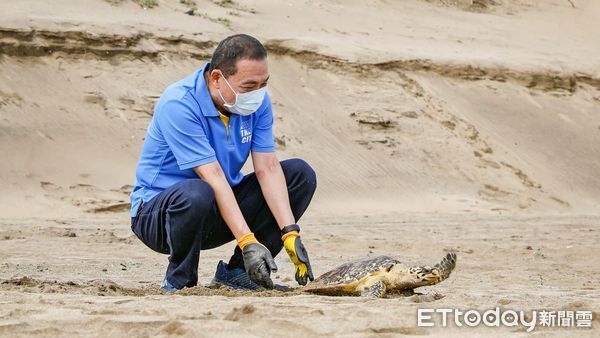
{"x":184,"y":219}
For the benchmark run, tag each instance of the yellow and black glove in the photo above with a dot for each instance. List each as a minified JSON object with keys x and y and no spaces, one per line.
{"x":297,"y":252}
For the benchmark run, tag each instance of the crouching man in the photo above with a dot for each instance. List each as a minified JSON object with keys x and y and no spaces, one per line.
{"x":190,"y":194}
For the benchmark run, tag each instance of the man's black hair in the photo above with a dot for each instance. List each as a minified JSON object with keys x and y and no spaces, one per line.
{"x":234,"y":48}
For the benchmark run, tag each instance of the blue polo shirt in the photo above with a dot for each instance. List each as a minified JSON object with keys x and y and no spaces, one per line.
{"x":186,"y":131}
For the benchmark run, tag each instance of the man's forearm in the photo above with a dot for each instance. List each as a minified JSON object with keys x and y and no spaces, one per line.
{"x":274,"y":189}
{"x":226,"y":202}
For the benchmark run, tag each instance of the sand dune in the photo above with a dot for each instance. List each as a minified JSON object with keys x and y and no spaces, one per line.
{"x":432,"y":125}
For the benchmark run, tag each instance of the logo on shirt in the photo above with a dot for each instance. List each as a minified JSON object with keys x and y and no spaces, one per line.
{"x":246,"y":131}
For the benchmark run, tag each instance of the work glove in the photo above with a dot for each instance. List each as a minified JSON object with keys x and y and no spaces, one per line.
{"x":257,"y":260}
{"x":297,"y":252}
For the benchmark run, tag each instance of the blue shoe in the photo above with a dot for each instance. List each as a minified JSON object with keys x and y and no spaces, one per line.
{"x":234,"y":278}
{"x":166,"y":286}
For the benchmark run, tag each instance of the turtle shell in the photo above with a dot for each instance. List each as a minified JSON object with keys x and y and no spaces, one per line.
{"x":352,"y":271}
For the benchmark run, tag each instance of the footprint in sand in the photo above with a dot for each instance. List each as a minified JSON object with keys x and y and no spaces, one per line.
{"x":95,"y":98}
{"x":243,"y":313}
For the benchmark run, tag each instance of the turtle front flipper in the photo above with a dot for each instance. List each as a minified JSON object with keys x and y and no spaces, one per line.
{"x":446,"y":266}
{"x":372,"y":287}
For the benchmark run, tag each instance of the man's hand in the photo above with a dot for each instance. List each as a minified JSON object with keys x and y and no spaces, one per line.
{"x":297,"y":252}
{"x":257,"y":260}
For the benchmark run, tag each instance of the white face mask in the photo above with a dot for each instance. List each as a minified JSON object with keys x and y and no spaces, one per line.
{"x":245,"y":103}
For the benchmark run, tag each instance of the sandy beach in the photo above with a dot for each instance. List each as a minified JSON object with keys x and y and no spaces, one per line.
{"x":433,"y":126}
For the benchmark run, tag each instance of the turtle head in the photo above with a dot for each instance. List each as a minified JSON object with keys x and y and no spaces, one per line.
{"x":426,"y":275}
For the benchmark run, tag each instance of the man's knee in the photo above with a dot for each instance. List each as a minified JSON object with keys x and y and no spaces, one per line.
{"x":196,"y":195}
{"x":297,"y":170}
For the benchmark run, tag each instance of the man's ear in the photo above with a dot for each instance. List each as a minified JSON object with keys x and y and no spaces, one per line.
{"x":214,"y":77}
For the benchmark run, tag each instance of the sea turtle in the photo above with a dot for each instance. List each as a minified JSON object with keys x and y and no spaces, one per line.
{"x":373,"y":277}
